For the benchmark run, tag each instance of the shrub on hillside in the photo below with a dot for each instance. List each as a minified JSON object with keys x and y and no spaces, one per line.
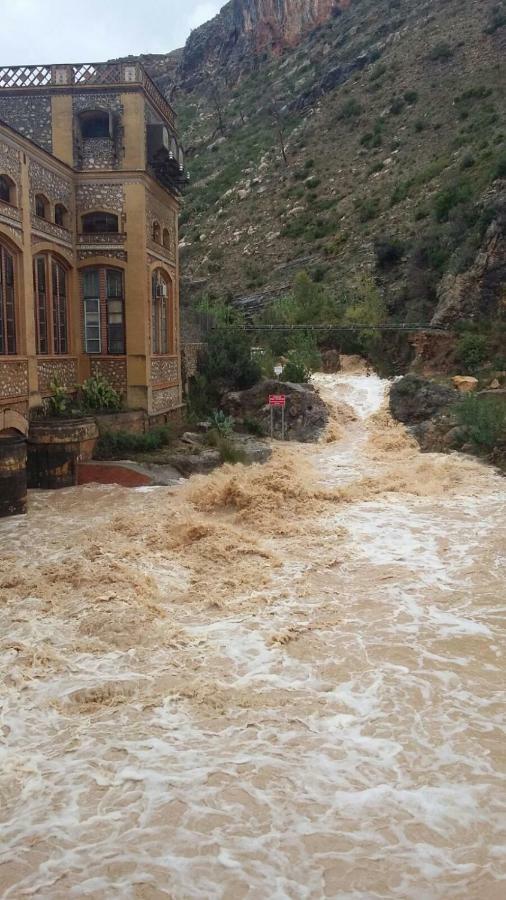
{"x":350,"y":110}
{"x":388,"y":252}
{"x":471,"y":351}
{"x":484,"y":418}
{"x":441,"y":52}
{"x":448,"y":198}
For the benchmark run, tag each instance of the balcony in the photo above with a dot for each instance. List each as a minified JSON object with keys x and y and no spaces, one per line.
{"x":107,"y":239}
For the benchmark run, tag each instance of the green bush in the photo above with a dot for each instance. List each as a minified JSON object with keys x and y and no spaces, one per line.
{"x":253,"y":426}
{"x":388,"y":252}
{"x":485,"y":419}
{"x":115,"y":444}
{"x":97,"y":393}
{"x":228,"y":361}
{"x":471,"y":351}
{"x":221,"y":423}
{"x":411,"y":97}
{"x":500,"y":168}
{"x":295,"y":369}
{"x":496,"y":20}
{"x":448,"y":198}
{"x":396,"y":106}
{"x":350,"y":110}
{"x":58,"y":404}
{"x":368,"y":209}
{"x":229,"y":452}
{"x":441,"y":52}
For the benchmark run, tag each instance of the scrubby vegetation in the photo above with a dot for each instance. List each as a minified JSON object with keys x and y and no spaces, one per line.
{"x":484,"y":417}
{"x":394,"y":172}
{"x":118,"y":444}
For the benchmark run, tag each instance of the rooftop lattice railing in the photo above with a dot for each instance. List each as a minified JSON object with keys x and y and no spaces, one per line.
{"x":84,"y":75}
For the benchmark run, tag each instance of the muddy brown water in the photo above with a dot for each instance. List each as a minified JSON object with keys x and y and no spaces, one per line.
{"x":275,"y":682}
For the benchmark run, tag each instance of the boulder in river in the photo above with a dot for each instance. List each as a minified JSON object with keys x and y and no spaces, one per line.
{"x":414,"y":399}
{"x":306,"y":415}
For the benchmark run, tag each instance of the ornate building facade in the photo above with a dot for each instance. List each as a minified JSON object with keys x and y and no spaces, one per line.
{"x":90,"y":170}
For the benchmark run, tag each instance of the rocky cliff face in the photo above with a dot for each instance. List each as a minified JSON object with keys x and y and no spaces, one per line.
{"x":245,"y":29}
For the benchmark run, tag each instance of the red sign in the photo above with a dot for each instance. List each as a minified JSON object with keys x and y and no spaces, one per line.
{"x":277,"y":400}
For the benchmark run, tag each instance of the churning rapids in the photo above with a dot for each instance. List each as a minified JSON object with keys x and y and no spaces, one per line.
{"x":272,"y":682}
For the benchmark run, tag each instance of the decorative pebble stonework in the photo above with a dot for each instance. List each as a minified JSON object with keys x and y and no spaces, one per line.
{"x":49,"y":228}
{"x":163,"y":370}
{"x":10,"y":212}
{"x":10,"y":163}
{"x":109,"y":254}
{"x":166,"y":218}
{"x":165,"y":399}
{"x":114,"y":370}
{"x":13,"y":378}
{"x":63,"y":370}
{"x":189,"y":359}
{"x":44,"y":181}
{"x":98,"y":153}
{"x":30,"y":116}
{"x":100,"y":195}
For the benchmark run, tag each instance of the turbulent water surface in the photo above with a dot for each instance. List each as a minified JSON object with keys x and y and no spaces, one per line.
{"x":274,"y":682}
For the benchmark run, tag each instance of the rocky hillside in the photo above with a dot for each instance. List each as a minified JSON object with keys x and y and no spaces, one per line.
{"x":362,"y":139}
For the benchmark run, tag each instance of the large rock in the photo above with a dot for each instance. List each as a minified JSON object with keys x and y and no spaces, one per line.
{"x":465,"y":383}
{"x":414,"y":399}
{"x":306,"y":415}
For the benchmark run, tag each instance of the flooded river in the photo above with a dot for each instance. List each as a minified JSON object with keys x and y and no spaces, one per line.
{"x":272,"y":682}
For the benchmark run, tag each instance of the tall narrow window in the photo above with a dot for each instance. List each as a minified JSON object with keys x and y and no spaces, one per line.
{"x":7,"y":189}
{"x":91,"y":298}
{"x":156,"y":233}
{"x":41,"y":304}
{"x":41,"y":206}
{"x":60,"y":337}
{"x":104,"y":307}
{"x":60,"y":215}
{"x":7,"y":303}
{"x":160,"y":342}
{"x":115,"y":312}
{"x":51,"y":305}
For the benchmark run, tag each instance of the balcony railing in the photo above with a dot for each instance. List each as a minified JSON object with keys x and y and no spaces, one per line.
{"x":107,"y":239}
{"x":85,"y":75}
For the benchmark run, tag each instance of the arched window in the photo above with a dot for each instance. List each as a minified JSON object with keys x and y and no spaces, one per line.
{"x":60,"y":215}
{"x":156,"y":233}
{"x":161,"y":340}
{"x":51,"y":305}
{"x":7,"y":190}
{"x":100,"y":223}
{"x":41,"y":206}
{"x":7,"y":303}
{"x":103,"y":309}
{"x":166,"y":238}
{"x":95,"y":123}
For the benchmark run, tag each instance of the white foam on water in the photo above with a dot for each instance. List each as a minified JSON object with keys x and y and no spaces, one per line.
{"x":335,"y":731}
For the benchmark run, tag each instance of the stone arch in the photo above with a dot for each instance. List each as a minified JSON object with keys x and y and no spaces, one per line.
{"x":11,"y":420}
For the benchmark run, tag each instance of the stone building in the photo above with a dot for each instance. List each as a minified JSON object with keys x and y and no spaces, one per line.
{"x":90,"y":170}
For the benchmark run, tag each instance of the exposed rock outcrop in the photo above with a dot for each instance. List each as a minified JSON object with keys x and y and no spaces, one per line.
{"x":479,"y":291}
{"x":306,"y":415}
{"x":244,"y":29}
{"x":414,"y":399}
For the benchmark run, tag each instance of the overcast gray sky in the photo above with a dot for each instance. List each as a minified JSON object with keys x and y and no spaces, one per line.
{"x":46,"y":31}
